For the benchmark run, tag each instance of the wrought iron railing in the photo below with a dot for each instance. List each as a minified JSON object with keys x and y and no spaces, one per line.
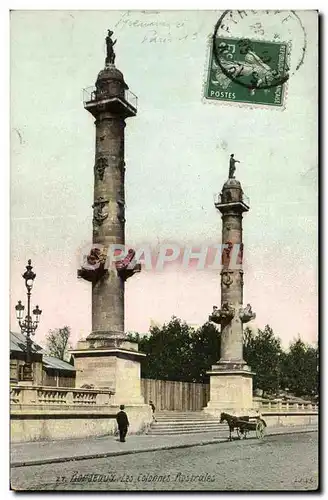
{"x":131,"y":98}
{"x":90,"y":95}
{"x":221,"y":199}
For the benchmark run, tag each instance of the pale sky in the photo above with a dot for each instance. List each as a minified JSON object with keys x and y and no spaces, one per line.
{"x":177,"y":152}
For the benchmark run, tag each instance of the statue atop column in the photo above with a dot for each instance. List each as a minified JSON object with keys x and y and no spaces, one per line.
{"x":232,"y":167}
{"x":110,"y":58}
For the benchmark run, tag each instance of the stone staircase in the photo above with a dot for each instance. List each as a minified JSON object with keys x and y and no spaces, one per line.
{"x":185,"y":422}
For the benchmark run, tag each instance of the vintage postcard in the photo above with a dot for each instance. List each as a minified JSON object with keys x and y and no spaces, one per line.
{"x":164,"y":250}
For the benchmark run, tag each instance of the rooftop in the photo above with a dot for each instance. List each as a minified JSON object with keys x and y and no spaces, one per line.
{"x":18,"y":344}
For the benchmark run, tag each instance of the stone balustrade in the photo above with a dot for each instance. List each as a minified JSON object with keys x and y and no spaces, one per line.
{"x":58,"y":396}
{"x":264,"y":405}
{"x":15,"y":395}
{"x":51,"y":397}
{"x":50,"y":413}
{"x":84,"y":398}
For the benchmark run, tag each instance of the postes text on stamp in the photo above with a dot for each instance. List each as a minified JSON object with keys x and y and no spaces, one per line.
{"x":247,"y":71}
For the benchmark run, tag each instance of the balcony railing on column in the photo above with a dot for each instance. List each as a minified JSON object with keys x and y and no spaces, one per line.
{"x":90,"y":94}
{"x":219,"y":200}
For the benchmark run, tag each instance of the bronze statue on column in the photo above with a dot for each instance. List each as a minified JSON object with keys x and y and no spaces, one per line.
{"x":110,"y":58}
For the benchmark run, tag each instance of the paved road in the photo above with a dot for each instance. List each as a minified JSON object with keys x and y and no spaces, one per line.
{"x":286,"y":462}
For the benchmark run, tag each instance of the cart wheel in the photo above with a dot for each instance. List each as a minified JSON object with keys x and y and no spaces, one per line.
{"x":260,"y":430}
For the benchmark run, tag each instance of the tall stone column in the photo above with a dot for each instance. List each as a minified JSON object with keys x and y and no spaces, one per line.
{"x":106,"y":358}
{"x":108,"y":217}
{"x":231,"y":378}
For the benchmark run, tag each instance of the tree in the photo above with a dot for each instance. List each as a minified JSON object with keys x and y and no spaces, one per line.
{"x":205,"y":351}
{"x":168,"y":351}
{"x":248,"y":345}
{"x":178,"y":352}
{"x":300,"y":369}
{"x":57,"y":342}
{"x":262,"y":352}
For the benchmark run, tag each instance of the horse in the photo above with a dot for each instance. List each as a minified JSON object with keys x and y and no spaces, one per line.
{"x":235,"y":423}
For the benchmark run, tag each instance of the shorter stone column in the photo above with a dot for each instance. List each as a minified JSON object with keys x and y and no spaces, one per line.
{"x":231,"y":384}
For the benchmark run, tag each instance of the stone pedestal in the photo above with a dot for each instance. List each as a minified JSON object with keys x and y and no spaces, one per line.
{"x":112,"y":364}
{"x":231,"y":391}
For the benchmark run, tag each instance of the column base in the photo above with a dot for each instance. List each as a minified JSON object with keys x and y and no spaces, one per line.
{"x":231,"y":365}
{"x":231,"y":389}
{"x":110,"y":363}
{"x":215,"y":411}
{"x":105,"y":338}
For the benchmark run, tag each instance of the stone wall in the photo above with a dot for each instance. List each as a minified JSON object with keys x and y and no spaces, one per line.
{"x":290,"y":419}
{"x":50,"y":413}
{"x":45,"y":413}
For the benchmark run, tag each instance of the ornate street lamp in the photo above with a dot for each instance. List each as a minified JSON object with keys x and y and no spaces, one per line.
{"x":28,"y":325}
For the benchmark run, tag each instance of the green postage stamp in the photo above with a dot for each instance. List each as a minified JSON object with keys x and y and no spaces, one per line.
{"x":247,"y":71}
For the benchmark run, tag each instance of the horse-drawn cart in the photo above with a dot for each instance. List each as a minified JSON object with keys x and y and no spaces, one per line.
{"x":244,"y":425}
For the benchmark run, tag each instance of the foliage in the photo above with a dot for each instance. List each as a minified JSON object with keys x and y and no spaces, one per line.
{"x":262,"y":352}
{"x":300,"y":369}
{"x":168,"y":351}
{"x":205,"y":351}
{"x":179,"y":352}
{"x":57,"y":342}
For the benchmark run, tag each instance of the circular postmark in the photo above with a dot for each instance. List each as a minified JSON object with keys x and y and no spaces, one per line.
{"x":258,"y":50}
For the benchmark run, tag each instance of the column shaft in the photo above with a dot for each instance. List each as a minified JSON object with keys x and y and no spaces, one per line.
{"x":108,"y":293}
{"x":232,"y":289}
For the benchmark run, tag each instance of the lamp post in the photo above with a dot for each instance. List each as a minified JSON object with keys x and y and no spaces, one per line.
{"x":28,"y":325}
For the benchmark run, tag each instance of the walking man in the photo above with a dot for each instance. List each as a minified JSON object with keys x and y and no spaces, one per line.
{"x":151,"y":404}
{"x":123,"y":423}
